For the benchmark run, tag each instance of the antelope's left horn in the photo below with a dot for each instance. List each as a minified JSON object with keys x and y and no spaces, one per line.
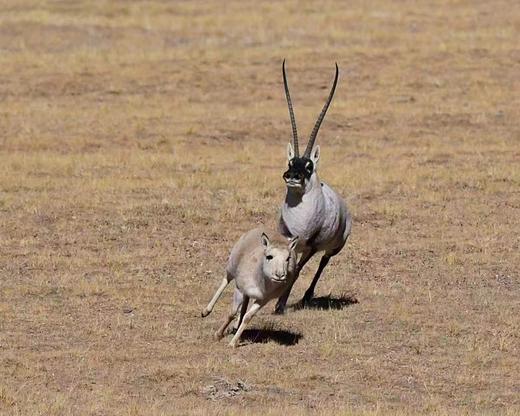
{"x":314,"y":133}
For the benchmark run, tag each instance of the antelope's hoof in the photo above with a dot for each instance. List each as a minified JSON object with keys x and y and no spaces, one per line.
{"x":231,"y":331}
{"x":279,"y":310}
{"x":233,"y":344}
{"x":306,"y":300}
{"x":204,"y":313}
{"x":218,"y":336}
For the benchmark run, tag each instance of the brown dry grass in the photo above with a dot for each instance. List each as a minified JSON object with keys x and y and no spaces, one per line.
{"x":139,"y":139}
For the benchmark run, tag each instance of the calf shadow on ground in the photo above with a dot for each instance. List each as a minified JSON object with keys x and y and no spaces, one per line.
{"x":281,"y":337}
{"x":326,"y":303}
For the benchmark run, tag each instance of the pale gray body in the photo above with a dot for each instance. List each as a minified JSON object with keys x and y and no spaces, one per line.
{"x":261,"y":272}
{"x":321,"y":219}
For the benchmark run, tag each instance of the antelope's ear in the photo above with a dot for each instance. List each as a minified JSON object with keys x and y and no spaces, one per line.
{"x":293,"y":242}
{"x":265,"y":241}
{"x":315,"y":155}
{"x":290,"y":151}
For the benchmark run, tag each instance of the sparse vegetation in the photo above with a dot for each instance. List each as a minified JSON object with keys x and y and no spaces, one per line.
{"x":139,"y":140}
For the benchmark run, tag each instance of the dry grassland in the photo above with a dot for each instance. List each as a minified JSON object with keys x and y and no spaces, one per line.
{"x":139,"y":139}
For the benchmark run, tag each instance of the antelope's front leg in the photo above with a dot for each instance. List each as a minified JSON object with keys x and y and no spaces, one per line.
{"x":282,"y":300}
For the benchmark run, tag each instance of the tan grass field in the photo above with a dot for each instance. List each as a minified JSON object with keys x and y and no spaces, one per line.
{"x":139,"y":139}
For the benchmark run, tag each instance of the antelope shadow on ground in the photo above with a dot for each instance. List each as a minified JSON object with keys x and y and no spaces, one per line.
{"x":260,"y":336}
{"x":326,"y":303}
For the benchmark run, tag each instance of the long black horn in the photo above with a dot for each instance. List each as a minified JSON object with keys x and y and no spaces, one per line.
{"x":291,"y":112}
{"x":314,"y":133}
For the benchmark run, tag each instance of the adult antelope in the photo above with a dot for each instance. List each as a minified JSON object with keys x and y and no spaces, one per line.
{"x":312,"y":210}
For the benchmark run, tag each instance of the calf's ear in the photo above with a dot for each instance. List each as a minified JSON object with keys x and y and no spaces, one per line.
{"x":265,"y":241}
{"x":293,"y":242}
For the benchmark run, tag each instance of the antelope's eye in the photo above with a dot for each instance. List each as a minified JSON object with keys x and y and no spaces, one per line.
{"x":269,"y":257}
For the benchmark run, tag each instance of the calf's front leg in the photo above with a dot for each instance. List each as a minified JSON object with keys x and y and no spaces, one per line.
{"x":255,"y":307}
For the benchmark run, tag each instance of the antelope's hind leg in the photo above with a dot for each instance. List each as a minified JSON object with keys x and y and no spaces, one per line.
{"x":309,"y":293}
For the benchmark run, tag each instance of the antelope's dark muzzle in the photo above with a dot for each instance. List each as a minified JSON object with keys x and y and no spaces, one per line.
{"x":292,"y":176}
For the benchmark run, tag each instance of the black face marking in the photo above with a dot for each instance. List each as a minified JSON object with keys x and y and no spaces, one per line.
{"x":300,"y":168}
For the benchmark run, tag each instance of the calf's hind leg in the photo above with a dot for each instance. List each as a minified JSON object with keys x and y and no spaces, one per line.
{"x":207,"y":310}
